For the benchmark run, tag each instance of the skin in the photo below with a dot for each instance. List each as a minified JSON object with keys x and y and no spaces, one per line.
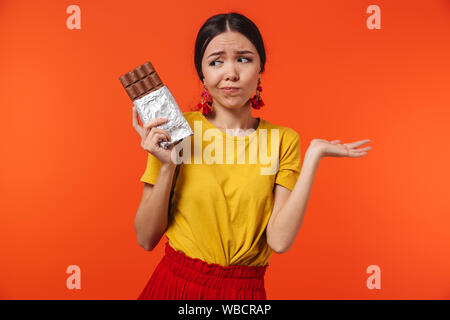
{"x":242,"y":70}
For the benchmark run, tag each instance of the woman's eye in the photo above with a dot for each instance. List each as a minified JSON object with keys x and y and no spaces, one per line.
{"x":212,"y":63}
{"x":248,"y":59}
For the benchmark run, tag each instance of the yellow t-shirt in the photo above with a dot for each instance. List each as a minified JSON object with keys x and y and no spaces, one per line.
{"x":222,"y":191}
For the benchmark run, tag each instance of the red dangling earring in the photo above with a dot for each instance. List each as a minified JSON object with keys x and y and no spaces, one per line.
{"x":205,"y":106}
{"x":256,"y":101}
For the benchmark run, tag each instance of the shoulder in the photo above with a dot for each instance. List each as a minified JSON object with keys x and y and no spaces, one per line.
{"x":191,"y":116}
{"x":286,"y":134}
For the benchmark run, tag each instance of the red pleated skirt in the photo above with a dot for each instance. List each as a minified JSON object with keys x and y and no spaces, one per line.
{"x":179,"y":277}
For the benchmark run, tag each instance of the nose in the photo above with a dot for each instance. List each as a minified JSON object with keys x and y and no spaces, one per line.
{"x":231,"y":73}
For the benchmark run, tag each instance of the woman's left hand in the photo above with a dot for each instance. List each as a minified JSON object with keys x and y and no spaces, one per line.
{"x":336,"y":149}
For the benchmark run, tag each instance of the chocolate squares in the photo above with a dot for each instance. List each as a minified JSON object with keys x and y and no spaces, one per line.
{"x":141,"y":81}
{"x":152,"y":99}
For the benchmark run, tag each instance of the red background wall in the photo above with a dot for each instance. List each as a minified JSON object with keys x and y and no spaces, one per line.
{"x":71,"y":161}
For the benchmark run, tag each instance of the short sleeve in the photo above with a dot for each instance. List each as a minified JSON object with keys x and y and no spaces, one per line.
{"x":152,"y":170}
{"x":290,"y":160}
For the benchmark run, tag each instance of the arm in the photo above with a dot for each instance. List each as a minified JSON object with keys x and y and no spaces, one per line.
{"x":289,"y":207}
{"x":151,"y":217}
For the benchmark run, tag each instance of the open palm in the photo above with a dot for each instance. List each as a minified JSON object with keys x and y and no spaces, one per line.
{"x":336,"y":149}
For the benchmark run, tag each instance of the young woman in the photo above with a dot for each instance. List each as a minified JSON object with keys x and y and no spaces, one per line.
{"x":234,"y":201}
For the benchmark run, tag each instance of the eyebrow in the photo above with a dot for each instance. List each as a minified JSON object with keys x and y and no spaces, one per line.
{"x":218,"y":53}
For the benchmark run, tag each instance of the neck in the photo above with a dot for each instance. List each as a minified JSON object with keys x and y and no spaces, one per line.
{"x":235,"y":119}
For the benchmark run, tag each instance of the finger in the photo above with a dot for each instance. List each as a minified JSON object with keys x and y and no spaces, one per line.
{"x":362,"y":154}
{"x":357,"y":143}
{"x":153,"y":142}
{"x":335,"y":141}
{"x":155,"y":122}
{"x":357,"y":154}
{"x":166,"y":133}
{"x":135,"y":118}
{"x":158,"y":137}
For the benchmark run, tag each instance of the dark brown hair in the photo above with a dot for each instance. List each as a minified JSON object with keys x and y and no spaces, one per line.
{"x":218,"y":24}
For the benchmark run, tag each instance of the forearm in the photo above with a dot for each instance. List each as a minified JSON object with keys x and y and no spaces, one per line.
{"x":151,"y":218}
{"x":289,"y":218}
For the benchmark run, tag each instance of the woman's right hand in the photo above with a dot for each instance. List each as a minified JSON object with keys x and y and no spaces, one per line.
{"x":151,"y":136}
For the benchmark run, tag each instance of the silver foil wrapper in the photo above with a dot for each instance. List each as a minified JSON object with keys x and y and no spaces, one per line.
{"x":161,"y":104}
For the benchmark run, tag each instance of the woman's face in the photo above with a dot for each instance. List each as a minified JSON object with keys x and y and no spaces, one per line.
{"x":231,"y":60}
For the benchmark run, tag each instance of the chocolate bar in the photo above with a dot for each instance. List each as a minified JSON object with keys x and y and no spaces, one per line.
{"x":141,"y":81}
{"x":153,"y":100}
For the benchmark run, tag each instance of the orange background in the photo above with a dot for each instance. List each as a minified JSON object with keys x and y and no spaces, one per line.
{"x":71,"y":160}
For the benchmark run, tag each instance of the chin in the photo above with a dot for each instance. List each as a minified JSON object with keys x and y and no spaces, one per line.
{"x":233,"y":104}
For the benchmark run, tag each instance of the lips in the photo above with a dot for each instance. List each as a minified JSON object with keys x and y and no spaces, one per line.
{"x":229,"y":90}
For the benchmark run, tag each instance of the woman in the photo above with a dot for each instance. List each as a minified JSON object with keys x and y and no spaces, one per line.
{"x":224,"y":213}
